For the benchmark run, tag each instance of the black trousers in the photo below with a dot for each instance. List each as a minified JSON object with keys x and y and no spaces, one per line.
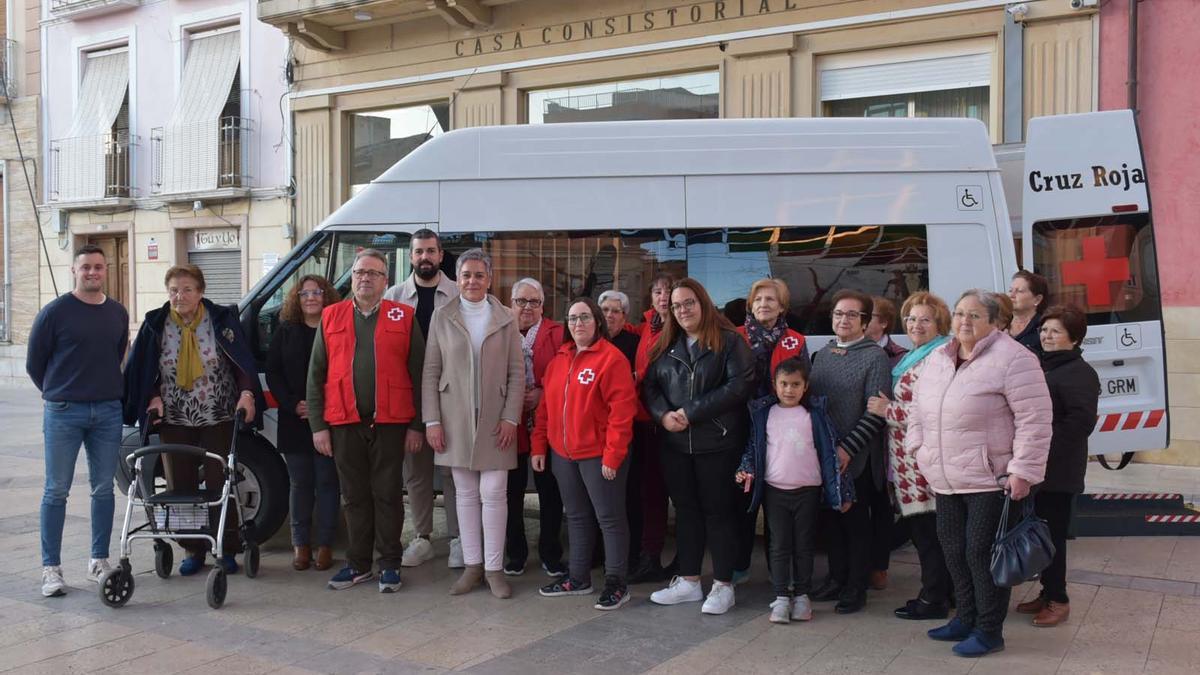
{"x":792,"y":516}
{"x":370,"y":467}
{"x":883,"y":517}
{"x":849,"y":536}
{"x":1055,"y":508}
{"x":935,"y":578}
{"x":184,"y":473}
{"x":550,"y":515}
{"x":966,"y":525}
{"x":702,"y":488}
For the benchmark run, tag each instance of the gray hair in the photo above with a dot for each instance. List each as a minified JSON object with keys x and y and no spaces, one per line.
{"x":615,"y":295}
{"x":532,"y":283}
{"x":985,"y":298}
{"x":372,"y":253}
{"x":473,"y":254}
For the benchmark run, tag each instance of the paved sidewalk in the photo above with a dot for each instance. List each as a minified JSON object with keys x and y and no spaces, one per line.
{"x":1134,"y":609}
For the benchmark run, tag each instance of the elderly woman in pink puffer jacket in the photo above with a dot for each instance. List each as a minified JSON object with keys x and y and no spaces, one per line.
{"x":981,"y":427}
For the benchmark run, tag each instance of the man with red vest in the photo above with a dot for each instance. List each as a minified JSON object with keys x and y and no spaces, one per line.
{"x":366,"y":363}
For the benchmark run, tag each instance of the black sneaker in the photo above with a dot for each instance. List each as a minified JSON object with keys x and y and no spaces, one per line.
{"x":830,"y":590}
{"x":614,"y":595}
{"x":648,"y":569}
{"x":514,"y":569}
{"x":565,"y":585}
{"x":554,"y":569}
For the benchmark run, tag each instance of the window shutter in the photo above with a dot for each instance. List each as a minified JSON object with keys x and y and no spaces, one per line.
{"x":222,"y":274}
{"x":80,"y":161}
{"x":190,"y":137}
{"x":933,"y":74}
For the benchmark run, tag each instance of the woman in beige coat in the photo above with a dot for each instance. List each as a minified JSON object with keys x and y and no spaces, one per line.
{"x":472,"y":391}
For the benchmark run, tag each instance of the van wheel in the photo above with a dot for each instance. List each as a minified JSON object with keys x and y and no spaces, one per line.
{"x":263,"y":487}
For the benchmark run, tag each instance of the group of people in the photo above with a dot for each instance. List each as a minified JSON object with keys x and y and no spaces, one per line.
{"x":853,"y":444}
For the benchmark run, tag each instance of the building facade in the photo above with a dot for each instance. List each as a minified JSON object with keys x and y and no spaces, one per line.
{"x":167,"y":141}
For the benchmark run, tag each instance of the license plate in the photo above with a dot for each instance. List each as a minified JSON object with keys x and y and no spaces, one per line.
{"x":1118,"y":386}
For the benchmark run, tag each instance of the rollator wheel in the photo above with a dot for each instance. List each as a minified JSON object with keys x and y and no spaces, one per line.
{"x":252,"y":559}
{"x":116,"y":587}
{"x":164,"y":559}
{"x":214,"y":589}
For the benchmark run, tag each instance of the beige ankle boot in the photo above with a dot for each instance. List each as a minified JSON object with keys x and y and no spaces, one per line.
{"x":472,"y":576}
{"x":499,"y":585}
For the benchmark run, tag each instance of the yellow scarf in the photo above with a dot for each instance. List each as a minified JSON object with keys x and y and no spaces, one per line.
{"x":190,"y":367}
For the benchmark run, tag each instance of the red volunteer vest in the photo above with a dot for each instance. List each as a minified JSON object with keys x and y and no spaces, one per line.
{"x":393,"y":384}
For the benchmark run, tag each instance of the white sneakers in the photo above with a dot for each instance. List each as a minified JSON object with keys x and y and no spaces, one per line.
{"x":456,"y":562}
{"x":801,"y":608}
{"x":785,"y":609}
{"x":678,"y":591}
{"x":420,"y":550}
{"x":720,"y":599}
{"x":52,"y":581}
{"x":97,"y":569}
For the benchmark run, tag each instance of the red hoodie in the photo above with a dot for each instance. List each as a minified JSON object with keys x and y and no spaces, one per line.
{"x":588,"y":406}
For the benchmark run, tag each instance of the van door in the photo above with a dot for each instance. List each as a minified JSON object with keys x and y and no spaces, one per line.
{"x":1086,"y":212}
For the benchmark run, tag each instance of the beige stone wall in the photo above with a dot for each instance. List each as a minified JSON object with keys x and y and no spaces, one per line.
{"x":25,"y":251}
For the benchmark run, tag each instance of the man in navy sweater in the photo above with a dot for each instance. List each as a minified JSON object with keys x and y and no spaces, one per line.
{"x":74,"y":358}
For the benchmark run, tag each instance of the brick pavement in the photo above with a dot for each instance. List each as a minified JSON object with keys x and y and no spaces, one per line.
{"x":1134,"y":609}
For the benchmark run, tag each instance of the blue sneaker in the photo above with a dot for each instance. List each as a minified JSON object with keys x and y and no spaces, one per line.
{"x":229,"y":563}
{"x":955,"y":631}
{"x":389,"y":581}
{"x":740,"y":577}
{"x":191,"y":565}
{"x":980,"y":644}
{"x":347,"y":577}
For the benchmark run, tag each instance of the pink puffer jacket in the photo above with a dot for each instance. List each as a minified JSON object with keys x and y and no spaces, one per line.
{"x":991,"y":416}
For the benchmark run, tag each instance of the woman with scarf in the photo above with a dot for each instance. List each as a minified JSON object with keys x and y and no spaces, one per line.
{"x":191,"y":365}
{"x":926,"y":321}
{"x":771,"y":343}
{"x":647,"y":438}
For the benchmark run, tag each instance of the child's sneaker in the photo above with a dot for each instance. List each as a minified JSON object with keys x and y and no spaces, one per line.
{"x":347,"y":577}
{"x":801,"y":608}
{"x":614,"y":595}
{"x":781,"y":609}
{"x":565,"y":585}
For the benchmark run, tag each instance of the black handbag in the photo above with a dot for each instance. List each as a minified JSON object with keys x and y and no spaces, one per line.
{"x":1020,"y":553}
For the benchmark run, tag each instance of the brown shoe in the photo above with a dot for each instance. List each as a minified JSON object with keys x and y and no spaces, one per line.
{"x":301,"y":558}
{"x":878,"y":580}
{"x":471,"y":577}
{"x":324,"y":558}
{"x":498,"y":584}
{"x":1054,"y":614}
{"x":1034,"y":606}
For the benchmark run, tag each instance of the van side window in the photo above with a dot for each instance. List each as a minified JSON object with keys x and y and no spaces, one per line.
{"x":1104,"y":264}
{"x":347,"y":245}
{"x":573,"y":264}
{"x":266,"y":319}
{"x":815,"y":262}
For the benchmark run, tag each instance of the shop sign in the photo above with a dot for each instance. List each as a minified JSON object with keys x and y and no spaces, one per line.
{"x":209,"y":240}
{"x":690,"y":14}
{"x":151,"y":249}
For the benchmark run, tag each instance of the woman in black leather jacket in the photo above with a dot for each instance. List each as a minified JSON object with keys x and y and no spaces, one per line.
{"x":700,"y":377}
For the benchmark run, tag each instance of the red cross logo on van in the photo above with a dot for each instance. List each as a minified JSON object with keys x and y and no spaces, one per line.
{"x":1095,"y":271}
{"x":587,"y":376}
{"x":790,"y":342}
{"x":395,"y":314}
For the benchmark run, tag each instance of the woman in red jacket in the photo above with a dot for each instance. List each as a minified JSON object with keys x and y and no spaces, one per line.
{"x":586,"y":415}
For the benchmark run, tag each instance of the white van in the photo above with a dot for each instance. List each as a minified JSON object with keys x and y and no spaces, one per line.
{"x":885,"y":206}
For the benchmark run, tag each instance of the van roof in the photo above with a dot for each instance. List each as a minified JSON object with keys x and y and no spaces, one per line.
{"x":699,"y":147}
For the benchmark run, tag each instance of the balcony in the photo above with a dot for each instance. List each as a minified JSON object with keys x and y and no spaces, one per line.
{"x":8,"y":69}
{"x":322,"y":24}
{"x":79,"y":9}
{"x":91,"y":171}
{"x":206,"y":160}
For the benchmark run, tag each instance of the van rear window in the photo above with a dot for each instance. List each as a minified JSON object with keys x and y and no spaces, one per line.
{"x":1105,"y":265}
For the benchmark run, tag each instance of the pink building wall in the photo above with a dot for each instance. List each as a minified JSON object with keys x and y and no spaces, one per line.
{"x":1169,"y":120}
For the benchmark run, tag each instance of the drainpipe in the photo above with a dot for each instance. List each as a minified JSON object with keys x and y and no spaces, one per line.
{"x":6,"y":335}
{"x":1131,"y":82}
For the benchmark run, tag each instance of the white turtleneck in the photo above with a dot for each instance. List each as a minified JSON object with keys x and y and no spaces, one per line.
{"x":475,"y":315}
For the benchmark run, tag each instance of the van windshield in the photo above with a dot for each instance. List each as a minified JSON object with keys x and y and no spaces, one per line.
{"x":1105,"y":265}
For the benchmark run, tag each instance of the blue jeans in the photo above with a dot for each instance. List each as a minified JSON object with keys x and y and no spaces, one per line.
{"x":66,"y":426}
{"x":314,"y":480}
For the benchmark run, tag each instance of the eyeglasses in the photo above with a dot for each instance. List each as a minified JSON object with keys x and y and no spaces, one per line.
{"x":688,"y":304}
{"x":580,"y":318}
{"x":312,"y":293}
{"x":839,"y":314}
{"x":368,"y":274}
{"x":924,"y":321}
{"x":531,"y":303}
{"x":973,"y":316}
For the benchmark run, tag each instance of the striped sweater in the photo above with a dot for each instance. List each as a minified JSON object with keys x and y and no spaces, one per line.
{"x":847,"y":377}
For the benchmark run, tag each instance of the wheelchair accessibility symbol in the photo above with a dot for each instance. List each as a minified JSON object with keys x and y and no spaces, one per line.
{"x":970,"y":197}
{"x":1129,"y":336}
